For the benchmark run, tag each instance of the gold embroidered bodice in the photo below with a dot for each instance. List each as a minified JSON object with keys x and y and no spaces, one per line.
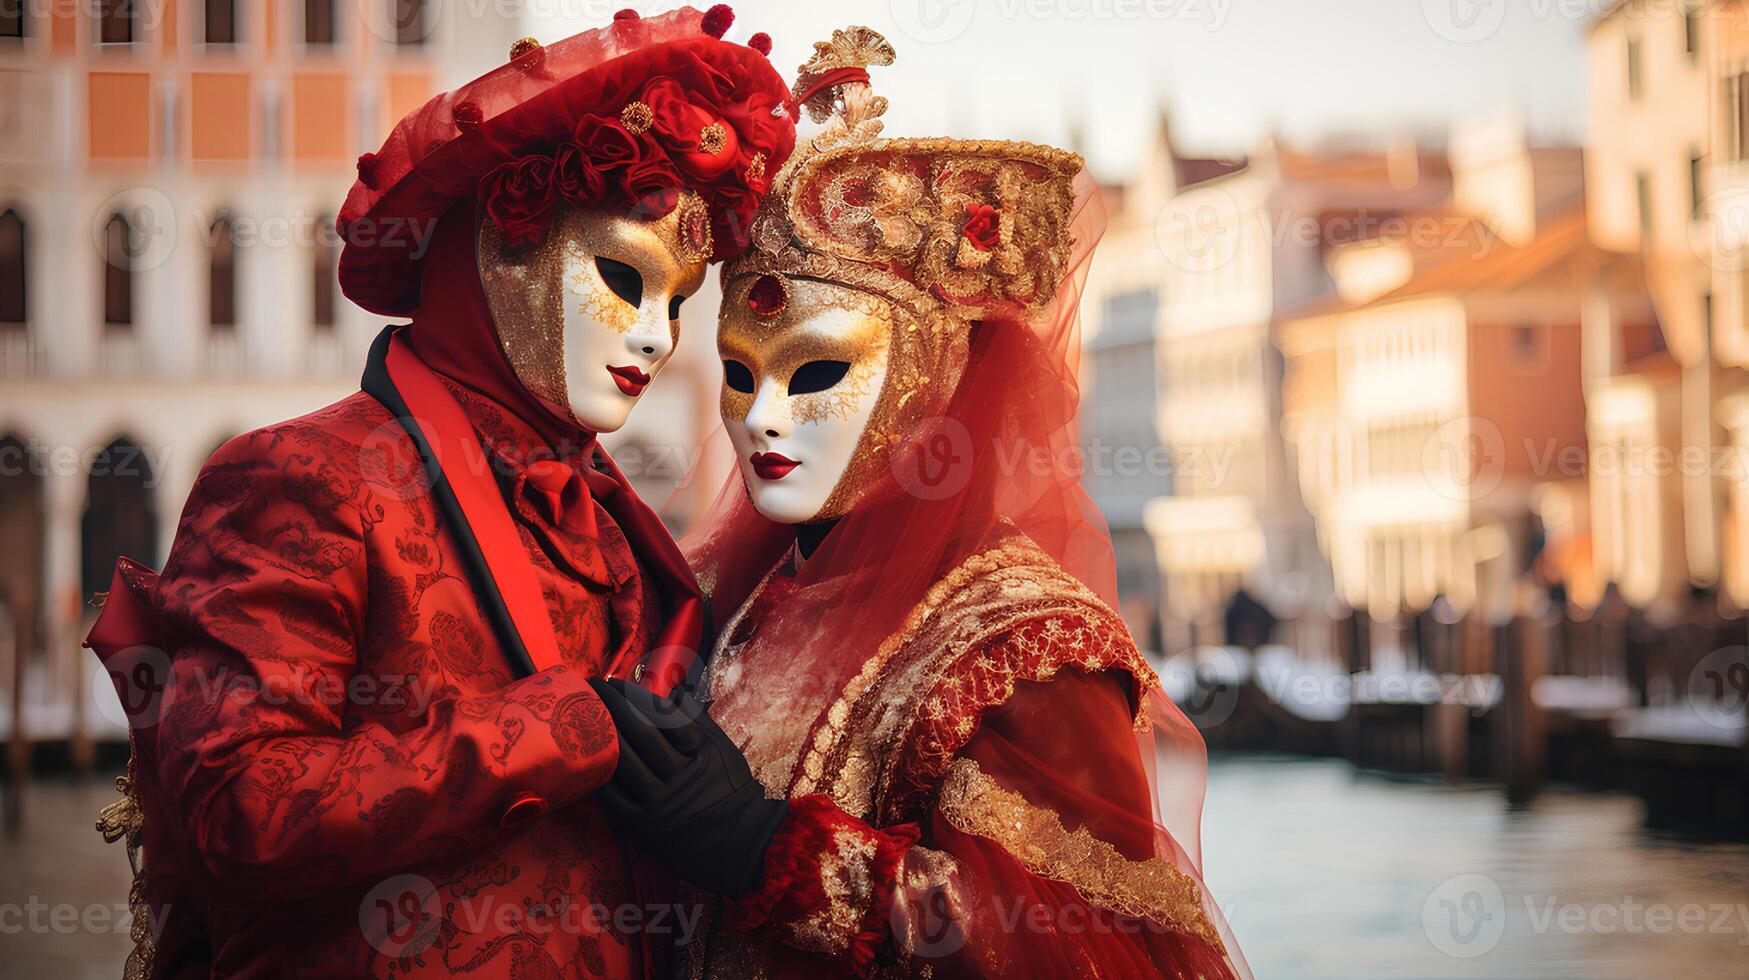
{"x":883,"y":742}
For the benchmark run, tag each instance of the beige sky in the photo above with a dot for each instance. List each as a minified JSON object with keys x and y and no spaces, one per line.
{"x":1230,"y":70}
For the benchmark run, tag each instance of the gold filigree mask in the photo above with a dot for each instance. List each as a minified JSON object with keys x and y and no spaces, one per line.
{"x":831,"y":381}
{"x":590,"y":314}
{"x":938,"y":234}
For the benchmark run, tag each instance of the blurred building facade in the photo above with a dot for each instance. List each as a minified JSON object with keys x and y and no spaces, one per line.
{"x":169,"y":174}
{"x":1209,"y":253}
{"x":1437,"y":385}
{"x":1394,"y":375}
{"x":1669,"y":188}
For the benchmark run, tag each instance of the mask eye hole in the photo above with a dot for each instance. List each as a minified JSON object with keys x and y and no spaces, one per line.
{"x":624,"y":280}
{"x":817,"y":376}
{"x":737,"y":376}
{"x":674,"y":307}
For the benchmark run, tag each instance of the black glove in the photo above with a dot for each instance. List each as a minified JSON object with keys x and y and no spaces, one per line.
{"x":683,"y":793}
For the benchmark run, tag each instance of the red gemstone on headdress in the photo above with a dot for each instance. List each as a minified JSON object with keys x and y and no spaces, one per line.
{"x":467,"y":115}
{"x":718,"y":19}
{"x":367,"y":170}
{"x":760,"y":42}
{"x":626,"y":14}
{"x":527,"y":54}
{"x":767,"y":297}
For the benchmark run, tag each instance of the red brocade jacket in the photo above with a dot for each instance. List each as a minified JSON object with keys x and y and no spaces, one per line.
{"x":972,"y":803}
{"x":343,"y":777}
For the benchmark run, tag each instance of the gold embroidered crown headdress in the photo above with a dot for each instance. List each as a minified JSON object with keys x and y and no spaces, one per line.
{"x":948,"y":231}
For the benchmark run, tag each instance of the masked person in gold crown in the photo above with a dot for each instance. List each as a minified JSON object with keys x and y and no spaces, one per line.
{"x":956,"y":759}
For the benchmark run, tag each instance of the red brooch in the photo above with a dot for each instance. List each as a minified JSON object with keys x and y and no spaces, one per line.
{"x":769,"y":295}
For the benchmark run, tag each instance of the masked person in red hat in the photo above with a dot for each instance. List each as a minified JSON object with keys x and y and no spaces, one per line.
{"x":365,"y":737}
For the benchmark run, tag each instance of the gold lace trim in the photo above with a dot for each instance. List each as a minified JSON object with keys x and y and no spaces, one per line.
{"x":1152,"y":889}
{"x":870,"y":730}
{"x":124,"y":820}
{"x":847,"y":878}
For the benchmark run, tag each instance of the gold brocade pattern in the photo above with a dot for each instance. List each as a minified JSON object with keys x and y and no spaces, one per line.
{"x":1152,"y":889}
{"x":124,"y":820}
{"x":893,"y":731}
{"x":847,"y":877}
{"x":854,"y":47}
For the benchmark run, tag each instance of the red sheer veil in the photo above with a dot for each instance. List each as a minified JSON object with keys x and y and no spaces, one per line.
{"x":1004,"y":451}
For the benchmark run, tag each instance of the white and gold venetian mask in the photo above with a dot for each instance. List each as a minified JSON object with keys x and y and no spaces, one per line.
{"x":847,"y":325}
{"x":590,"y":314}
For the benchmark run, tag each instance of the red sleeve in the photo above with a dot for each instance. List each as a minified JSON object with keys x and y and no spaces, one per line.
{"x":1038,"y":857}
{"x":278,"y":794}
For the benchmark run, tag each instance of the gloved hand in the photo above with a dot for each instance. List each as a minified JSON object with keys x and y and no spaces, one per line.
{"x":683,"y":793}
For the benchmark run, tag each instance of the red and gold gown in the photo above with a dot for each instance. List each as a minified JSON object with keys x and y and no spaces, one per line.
{"x":984,"y":777}
{"x":972,"y":802}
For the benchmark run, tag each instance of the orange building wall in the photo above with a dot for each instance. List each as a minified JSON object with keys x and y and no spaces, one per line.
{"x":220,"y":116}
{"x":169,"y":28}
{"x":1538,"y":403}
{"x":407,"y":91}
{"x":1730,"y":27}
{"x":64,"y":26}
{"x":119,"y":114}
{"x":321,"y":118}
{"x":269,"y":28}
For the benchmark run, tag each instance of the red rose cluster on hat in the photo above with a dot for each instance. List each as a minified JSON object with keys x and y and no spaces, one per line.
{"x":625,"y":118}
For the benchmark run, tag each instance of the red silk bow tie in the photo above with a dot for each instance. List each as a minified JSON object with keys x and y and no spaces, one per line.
{"x":566,"y":494}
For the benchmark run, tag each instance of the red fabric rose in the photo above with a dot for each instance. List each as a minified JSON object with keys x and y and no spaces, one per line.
{"x":680,"y":125}
{"x":651,"y":185}
{"x":519,"y":198}
{"x":732,"y":212}
{"x":575,"y":176}
{"x":983,"y":226}
{"x":606,"y":143}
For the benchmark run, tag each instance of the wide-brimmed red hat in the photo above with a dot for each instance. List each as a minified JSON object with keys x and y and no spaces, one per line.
{"x":626,"y":117}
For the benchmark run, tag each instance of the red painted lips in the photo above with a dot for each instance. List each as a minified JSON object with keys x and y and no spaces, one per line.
{"x":630,"y":379}
{"x":772,"y":466}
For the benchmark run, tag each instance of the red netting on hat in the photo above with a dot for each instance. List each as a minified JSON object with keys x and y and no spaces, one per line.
{"x":624,"y":117}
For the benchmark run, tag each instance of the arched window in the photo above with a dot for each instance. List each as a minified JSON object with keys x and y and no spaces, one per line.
{"x":118,"y":272}
{"x":221,"y":21}
{"x":121,"y":517}
{"x":409,"y":21}
{"x":319,"y":21}
{"x":12,"y":306}
{"x":116,"y":19}
{"x":222,"y":274}
{"x":324,"y":269}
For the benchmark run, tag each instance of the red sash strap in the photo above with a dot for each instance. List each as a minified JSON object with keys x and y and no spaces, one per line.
{"x":674,"y":650}
{"x":465,"y":465}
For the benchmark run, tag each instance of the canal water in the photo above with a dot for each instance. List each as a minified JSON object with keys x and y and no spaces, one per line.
{"x":1328,"y":873}
{"x":1324,"y":873}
